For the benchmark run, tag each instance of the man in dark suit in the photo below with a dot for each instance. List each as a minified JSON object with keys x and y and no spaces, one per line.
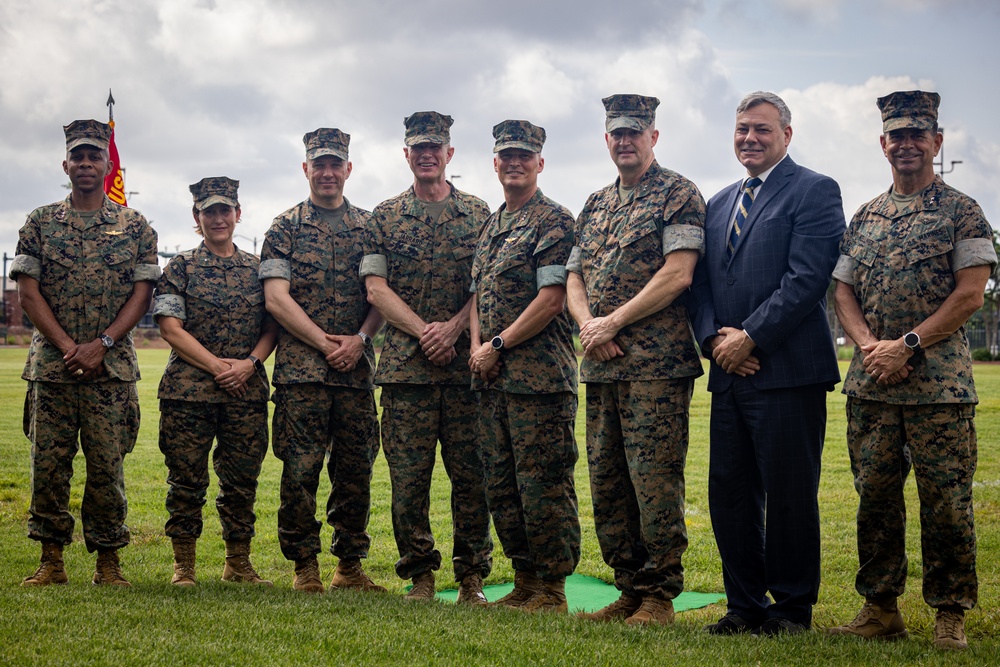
{"x":759,"y":312}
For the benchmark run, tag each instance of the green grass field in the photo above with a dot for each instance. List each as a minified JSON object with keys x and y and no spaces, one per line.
{"x":155,"y":623}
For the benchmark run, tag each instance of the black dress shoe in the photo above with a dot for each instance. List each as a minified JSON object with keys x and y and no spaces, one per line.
{"x":730,"y":624}
{"x":779,"y":626}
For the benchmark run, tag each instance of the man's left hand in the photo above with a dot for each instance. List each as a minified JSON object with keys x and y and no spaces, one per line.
{"x":732,"y":349}
{"x":597,"y":332}
{"x":886,"y":361}
{"x":437,"y":342}
{"x":88,"y":358}
{"x":349,"y":350}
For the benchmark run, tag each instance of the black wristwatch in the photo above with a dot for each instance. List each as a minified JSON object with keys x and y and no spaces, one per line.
{"x":258,"y":365}
{"x":497,"y":343}
{"x":912,"y":341}
{"x":107,"y":341}
{"x":365,"y":338}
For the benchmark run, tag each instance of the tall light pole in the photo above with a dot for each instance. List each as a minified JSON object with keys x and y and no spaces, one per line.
{"x":940,"y":164}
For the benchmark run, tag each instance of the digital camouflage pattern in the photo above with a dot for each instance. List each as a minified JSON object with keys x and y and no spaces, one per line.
{"x":187,"y":430}
{"x":621,"y":246}
{"x":107,"y":424}
{"x":322,"y":267}
{"x":531,"y":453}
{"x":221,"y":302}
{"x":509,"y":260}
{"x":902,"y":265}
{"x":215,"y":190}
{"x":427,"y":264}
{"x":414,"y":419}
{"x":311,"y":421}
{"x":428,"y":127}
{"x":637,"y":404}
{"x":326,"y":141}
{"x":637,"y":442}
{"x":87,"y":133}
{"x":630,"y":112}
{"x":518,"y":134}
{"x":940,"y":441}
{"x":86,"y":270}
{"x":909,"y":109}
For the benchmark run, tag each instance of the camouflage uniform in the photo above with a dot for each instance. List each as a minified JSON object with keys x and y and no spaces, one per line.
{"x":529,"y":411}
{"x":221,"y":302}
{"x":637,"y":404}
{"x":319,"y":410}
{"x":901,"y":264}
{"x":427,"y":264}
{"x":86,"y":269}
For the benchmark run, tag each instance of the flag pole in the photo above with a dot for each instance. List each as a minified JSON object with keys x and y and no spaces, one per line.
{"x":114,"y":184}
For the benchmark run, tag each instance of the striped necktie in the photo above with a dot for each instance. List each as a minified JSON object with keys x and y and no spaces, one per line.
{"x":746,"y":201}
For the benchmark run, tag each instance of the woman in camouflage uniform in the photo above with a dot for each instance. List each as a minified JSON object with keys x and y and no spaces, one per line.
{"x":210,"y":307}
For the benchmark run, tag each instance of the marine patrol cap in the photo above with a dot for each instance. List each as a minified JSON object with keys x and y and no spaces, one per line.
{"x":518,"y":134}
{"x":428,"y":127}
{"x":909,"y":109}
{"x":87,"y":133}
{"x":215,"y":190}
{"x":326,"y":141}
{"x":633,"y":112}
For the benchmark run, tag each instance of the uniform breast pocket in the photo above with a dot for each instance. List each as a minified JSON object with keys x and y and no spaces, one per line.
{"x":642,"y":240}
{"x":927,"y":265}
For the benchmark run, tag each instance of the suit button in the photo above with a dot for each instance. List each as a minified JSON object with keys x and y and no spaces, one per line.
{"x":730,"y":281}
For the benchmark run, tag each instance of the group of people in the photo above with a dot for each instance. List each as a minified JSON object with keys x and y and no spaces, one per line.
{"x":653,"y":277}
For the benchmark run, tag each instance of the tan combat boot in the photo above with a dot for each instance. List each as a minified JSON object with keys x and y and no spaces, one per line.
{"x":307,"y":576}
{"x":350,"y":575}
{"x":949,"y":630}
{"x":878,"y":619}
{"x":619,"y":610}
{"x":526,"y":584}
{"x":238,"y":567}
{"x":422,"y":588}
{"x":184,"y":554}
{"x":550,"y":597}
{"x":109,"y":571}
{"x":652,"y":611}
{"x":470,"y":590}
{"x":52,"y":570}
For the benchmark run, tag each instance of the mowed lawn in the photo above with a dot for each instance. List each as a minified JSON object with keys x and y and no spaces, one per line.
{"x":155,"y":623}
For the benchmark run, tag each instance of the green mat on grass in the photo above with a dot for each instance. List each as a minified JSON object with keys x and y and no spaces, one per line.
{"x":589,"y":594}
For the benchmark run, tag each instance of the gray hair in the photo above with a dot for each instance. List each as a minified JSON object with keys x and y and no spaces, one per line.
{"x":762,"y":97}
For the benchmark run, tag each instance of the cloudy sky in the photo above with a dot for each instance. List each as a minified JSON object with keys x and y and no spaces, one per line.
{"x":228,"y":87}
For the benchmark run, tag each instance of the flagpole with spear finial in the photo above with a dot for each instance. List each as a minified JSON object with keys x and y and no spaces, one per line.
{"x":114,"y":183}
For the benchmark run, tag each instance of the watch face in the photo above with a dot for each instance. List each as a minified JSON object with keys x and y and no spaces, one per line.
{"x":497,"y":343}
{"x":911,"y":340}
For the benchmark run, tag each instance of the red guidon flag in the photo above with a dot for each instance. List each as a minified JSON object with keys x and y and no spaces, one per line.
{"x":114,"y":183}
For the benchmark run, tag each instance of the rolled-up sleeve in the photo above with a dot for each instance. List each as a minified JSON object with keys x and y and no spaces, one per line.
{"x":27,"y":265}
{"x":844,"y":270}
{"x":275,"y":268}
{"x":374,"y":265}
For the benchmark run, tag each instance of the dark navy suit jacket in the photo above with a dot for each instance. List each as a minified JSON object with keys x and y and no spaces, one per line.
{"x":774,"y":286}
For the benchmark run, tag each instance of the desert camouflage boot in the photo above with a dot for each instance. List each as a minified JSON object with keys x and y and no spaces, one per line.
{"x":238,"y":567}
{"x":350,"y":575}
{"x":184,"y":557}
{"x":875,"y":621}
{"x":51,"y":570}
{"x":108,"y":571}
{"x":949,"y":630}
{"x":619,"y":610}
